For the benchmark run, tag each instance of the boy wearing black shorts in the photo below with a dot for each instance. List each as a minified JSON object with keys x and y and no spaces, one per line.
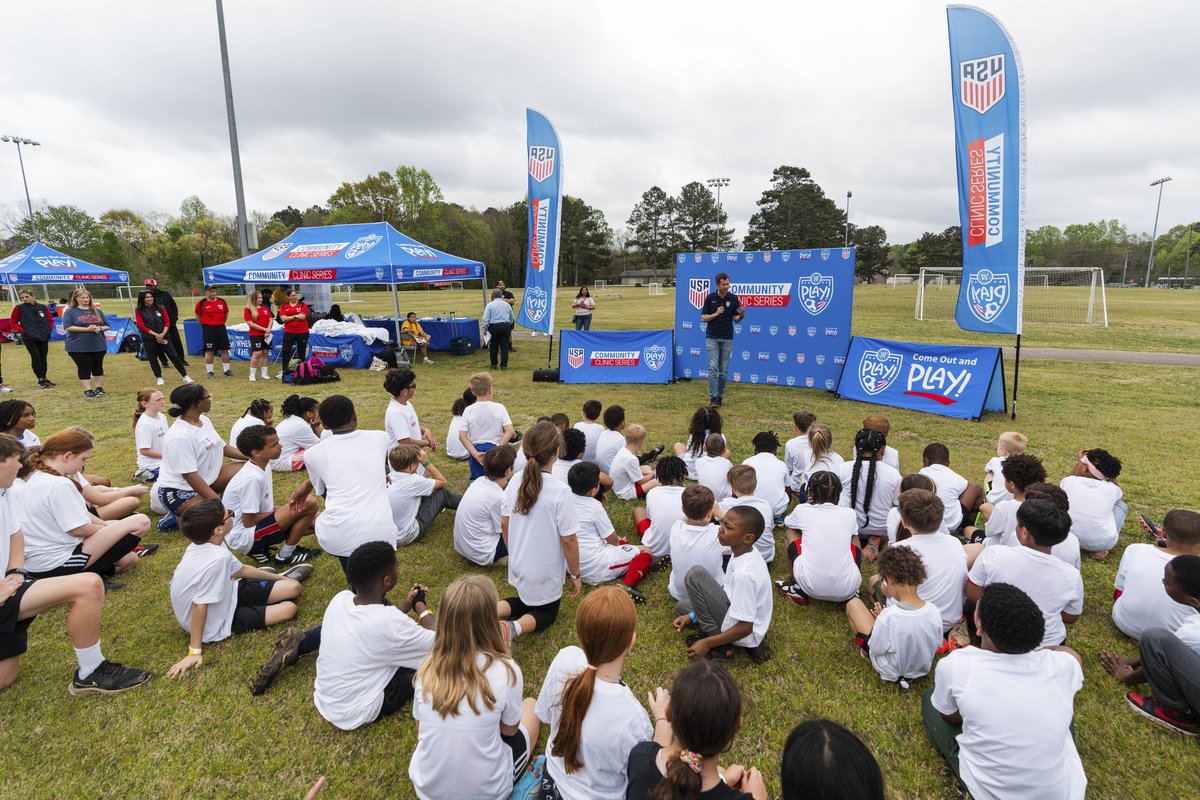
{"x":213,"y":313}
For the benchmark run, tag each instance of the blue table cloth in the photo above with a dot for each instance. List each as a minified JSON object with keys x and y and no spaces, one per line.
{"x":342,"y":351}
{"x":440,"y":332}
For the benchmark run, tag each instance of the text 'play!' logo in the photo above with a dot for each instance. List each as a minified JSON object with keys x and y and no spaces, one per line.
{"x":655,"y":355}
{"x":362,"y":244}
{"x":878,"y":369}
{"x":541,"y":162}
{"x":987,"y":294}
{"x":537,"y":303}
{"x":981,"y":82}
{"x":816,"y":292}
{"x":697,"y":291}
{"x":575,"y":357}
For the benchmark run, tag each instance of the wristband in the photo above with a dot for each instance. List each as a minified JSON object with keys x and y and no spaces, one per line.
{"x":692,"y":616}
{"x":17,"y":571}
{"x":424,"y":614}
{"x":572,"y":577}
{"x":195,"y":651}
{"x":425,"y":463}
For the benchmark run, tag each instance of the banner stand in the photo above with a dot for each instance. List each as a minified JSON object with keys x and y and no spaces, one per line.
{"x":1016,"y":376}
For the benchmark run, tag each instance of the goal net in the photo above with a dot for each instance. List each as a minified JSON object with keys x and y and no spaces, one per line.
{"x":456,"y":286}
{"x":655,"y":288}
{"x":1053,"y":295}
{"x":903,"y":279}
{"x":600,"y":286}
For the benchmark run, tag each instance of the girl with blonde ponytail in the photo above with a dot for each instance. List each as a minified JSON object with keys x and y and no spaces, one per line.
{"x":538,"y":523}
{"x":594,"y":718}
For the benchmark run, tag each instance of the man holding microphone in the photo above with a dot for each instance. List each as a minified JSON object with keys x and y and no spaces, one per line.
{"x":720,"y":311}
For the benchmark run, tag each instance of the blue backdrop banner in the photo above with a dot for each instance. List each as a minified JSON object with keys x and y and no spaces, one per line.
{"x":988,"y":86}
{"x":798,"y":309}
{"x":545,"y":210}
{"x":338,"y":351}
{"x":953,"y":381}
{"x":614,"y":356}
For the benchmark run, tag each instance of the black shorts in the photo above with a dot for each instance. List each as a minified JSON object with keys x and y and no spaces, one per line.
{"x":518,"y":743}
{"x":14,"y":633}
{"x":398,"y":692}
{"x":543,"y":616}
{"x":251,"y":611}
{"x":215,"y":337}
{"x":257,"y":343}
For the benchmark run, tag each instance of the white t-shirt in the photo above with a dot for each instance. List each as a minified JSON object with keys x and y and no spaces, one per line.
{"x":485,"y":421}
{"x":664,"y":507}
{"x":765,"y":545}
{"x":1091,"y":511}
{"x":10,"y":522}
{"x":562,"y":468}
{"x":997,"y":492}
{"x":772,"y":478}
{"x":250,"y":491}
{"x":361,"y":648}
{"x":891,"y":457}
{"x":477,"y":521}
{"x":203,"y":577}
{"x":748,"y":586}
{"x":242,"y":422}
{"x":454,"y":445}
{"x":796,"y":455}
{"x":893,"y":525}
{"x":625,"y":472}
{"x":463,"y":755}
{"x":1144,"y":603}
{"x":1189,"y":633}
{"x":607,"y":445}
{"x":295,"y":434}
{"x":29,"y":439}
{"x":689,"y":456}
{"x":945,"y":573}
{"x":904,"y":641}
{"x":825,"y":569}
{"x":693,"y":545}
{"x":830,"y":462}
{"x":884,"y":495}
{"x":191,"y":448}
{"x":400,"y":421}
{"x":1055,"y":587}
{"x":404,"y":495}
{"x":148,"y":434}
{"x":614,"y":722}
{"x":594,"y":528}
{"x":348,"y":469}
{"x":521,"y":460}
{"x":950,"y":486}
{"x":1001,"y":529}
{"x":536,"y":563}
{"x":1017,"y":711}
{"x":713,"y":472}
{"x":49,"y":506}
{"x":591,"y":432}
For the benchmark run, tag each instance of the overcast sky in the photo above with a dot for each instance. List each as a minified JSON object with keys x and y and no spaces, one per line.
{"x":127,"y":101}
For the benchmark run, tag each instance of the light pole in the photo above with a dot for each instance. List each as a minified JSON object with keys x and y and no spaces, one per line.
{"x":1150,"y":264}
{"x":18,"y":141}
{"x":849,"y":194}
{"x":718,"y":183}
{"x":233,"y":140}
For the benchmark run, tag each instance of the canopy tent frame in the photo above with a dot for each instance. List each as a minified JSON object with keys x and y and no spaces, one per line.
{"x":55,"y":267}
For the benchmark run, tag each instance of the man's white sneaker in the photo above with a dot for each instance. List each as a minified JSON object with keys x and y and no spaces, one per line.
{"x":159,"y":381}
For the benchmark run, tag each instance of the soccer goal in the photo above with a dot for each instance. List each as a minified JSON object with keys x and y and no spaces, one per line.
{"x":338,"y":289}
{"x":600,"y":286}
{"x":655,"y":288}
{"x":904,"y":279}
{"x":1052,"y":295}
{"x":456,"y":286}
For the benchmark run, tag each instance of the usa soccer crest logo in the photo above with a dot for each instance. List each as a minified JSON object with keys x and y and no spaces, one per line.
{"x":845,"y":253}
{"x":981,"y":82}
{"x":786,"y":256}
{"x":781,"y":356}
{"x":697,"y":291}
{"x":791,"y":380}
{"x":698,"y":257}
{"x":791,"y":330}
{"x":276,"y":250}
{"x":541,"y":162}
{"x":800,"y":358}
{"x":821,"y":359}
{"x":816,"y":292}
{"x":737,"y":377}
{"x":774,"y":329}
{"x":766,"y":258}
{"x":824,"y":255}
{"x":829,"y":383}
{"x":712,"y":257}
{"x":536,"y":303}
{"x":878,"y":370}
{"x":749,"y":258}
{"x":745,"y":355}
{"x":812,"y":331}
{"x":362,"y":245}
{"x":679,"y":258}
{"x":687,"y":373}
{"x":987,"y":294}
{"x":809,"y":382}
{"x":575,"y":357}
{"x":379,"y":273}
{"x":678,"y":349}
{"x":754,"y":377}
{"x":656,"y":356}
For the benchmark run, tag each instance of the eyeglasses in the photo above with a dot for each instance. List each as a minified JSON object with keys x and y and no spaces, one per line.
{"x":228,"y":516}
{"x":207,"y":397}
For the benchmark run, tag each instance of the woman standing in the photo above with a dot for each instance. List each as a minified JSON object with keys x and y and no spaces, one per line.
{"x":154,"y":323}
{"x":294,"y":316}
{"x":258,"y":317}
{"x":584,"y":305}
{"x":85,"y":325}
{"x":34,"y":321}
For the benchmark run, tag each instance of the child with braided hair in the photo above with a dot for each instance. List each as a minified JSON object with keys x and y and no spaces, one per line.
{"x":259,"y":412}
{"x":820,"y":546}
{"x":706,"y":421}
{"x":664,"y":506}
{"x":871,"y":487}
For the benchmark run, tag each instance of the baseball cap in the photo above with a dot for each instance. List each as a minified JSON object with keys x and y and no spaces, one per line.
{"x":151,"y":282}
{"x":208,"y":286}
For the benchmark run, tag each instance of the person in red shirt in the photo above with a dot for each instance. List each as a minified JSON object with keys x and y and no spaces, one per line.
{"x":258,"y":317}
{"x":213,"y":313}
{"x":294,"y":316}
{"x":154,"y":321}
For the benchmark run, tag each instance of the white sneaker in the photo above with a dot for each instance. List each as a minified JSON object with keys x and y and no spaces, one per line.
{"x":252,"y":378}
{"x":4,"y":388}
{"x":265,"y":376}
{"x":188,"y":379}
{"x":280,"y":375}
{"x":159,"y":381}
{"x":427,"y":361}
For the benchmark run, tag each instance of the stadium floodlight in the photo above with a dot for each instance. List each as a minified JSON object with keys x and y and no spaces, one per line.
{"x":1150,"y":264}
{"x":18,"y":141}
{"x":718,"y":182}
{"x":849,"y":194}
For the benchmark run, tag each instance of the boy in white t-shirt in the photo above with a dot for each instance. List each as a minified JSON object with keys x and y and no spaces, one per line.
{"x":631,"y":479}
{"x":603,"y":556}
{"x":1140,"y":601}
{"x":797,"y":452}
{"x":591,"y":428}
{"x":477,"y":520}
{"x":945,"y":563}
{"x":738,"y":614}
{"x":611,"y":439}
{"x":960,"y":497}
{"x":215,"y":595}
{"x":400,"y":420}
{"x":712,"y":468}
{"x":1057,"y":588}
{"x":771,"y":473}
{"x":1010,"y":443}
{"x":371,"y":648}
{"x":574,"y":447}
{"x":485,"y":423}
{"x":743,"y":484}
{"x":664,"y":506}
{"x":1017,"y":472}
{"x":1000,"y":714}
{"x":694,"y":543}
{"x":900,"y":640}
{"x":1097,"y":508}
{"x":416,"y":500}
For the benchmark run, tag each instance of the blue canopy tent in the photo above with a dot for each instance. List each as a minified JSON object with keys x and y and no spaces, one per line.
{"x":369,"y":253}
{"x":40,"y":264}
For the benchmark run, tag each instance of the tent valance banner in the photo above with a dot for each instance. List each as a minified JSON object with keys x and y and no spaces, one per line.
{"x":614,"y":356}
{"x":544,"y":168}
{"x":949,"y":380}
{"x":41,"y":264}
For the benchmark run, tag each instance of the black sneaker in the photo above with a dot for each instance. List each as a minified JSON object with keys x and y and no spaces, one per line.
{"x":285,"y":654}
{"x":298,"y":556}
{"x":143,"y":550}
{"x":760,"y":654}
{"x":718,"y":401}
{"x":90,"y":394}
{"x":112,"y":587}
{"x":791,"y":590}
{"x":99,"y":391}
{"x":44,"y":384}
{"x":264,"y":556}
{"x":108,"y":678}
{"x":634,"y":594}
{"x":661,"y":563}
{"x":650,"y":455}
{"x":228,"y":373}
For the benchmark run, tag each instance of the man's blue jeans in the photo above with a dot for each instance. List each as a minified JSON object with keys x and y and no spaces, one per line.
{"x":719,"y":351}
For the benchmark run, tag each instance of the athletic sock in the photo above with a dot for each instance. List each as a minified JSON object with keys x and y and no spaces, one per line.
{"x":638,"y":567}
{"x":89,"y":658}
{"x":286,"y":551}
{"x":311,"y":641}
{"x":514,"y":628}
{"x":264,"y":371}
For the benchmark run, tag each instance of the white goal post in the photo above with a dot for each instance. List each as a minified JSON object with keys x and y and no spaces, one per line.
{"x":1052,"y":295}
{"x":655,"y":288}
{"x":336,"y":289}
{"x":456,"y":286}
{"x":904,"y":278}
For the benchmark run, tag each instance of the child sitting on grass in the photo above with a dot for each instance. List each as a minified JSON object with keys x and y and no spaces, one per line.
{"x":880,"y":424}
{"x":602,"y":555}
{"x":1140,"y":601}
{"x":1016,"y":473}
{"x":821,"y":456}
{"x":611,"y":439}
{"x":694,"y":543}
{"x":631,"y":478}
{"x":771,"y":474}
{"x":591,"y":428}
{"x":945,"y":564}
{"x":823,"y":759}
{"x":870,"y":486}
{"x":896,"y":531}
{"x":738,"y":614}
{"x":743,"y":483}
{"x":712,"y":468}
{"x":664,"y":506}
{"x":901,"y":639}
{"x":821,"y":546}
{"x":797,"y":451}
{"x":705,"y":422}
{"x":485,"y":423}
{"x":960,"y":497}
{"x":215,"y":595}
{"x":477,"y":519}
{"x":416,"y":500}
{"x":1010,"y":443}
{"x":1097,"y":510}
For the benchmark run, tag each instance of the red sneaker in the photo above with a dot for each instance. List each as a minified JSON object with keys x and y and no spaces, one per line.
{"x":1180,"y":722}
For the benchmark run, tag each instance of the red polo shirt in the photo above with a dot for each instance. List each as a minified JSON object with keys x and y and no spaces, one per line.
{"x":261,"y":317}
{"x":296,"y":325}
{"x":212,"y":312}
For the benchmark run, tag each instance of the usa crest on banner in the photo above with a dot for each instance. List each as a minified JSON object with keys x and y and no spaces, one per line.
{"x":544,"y":174}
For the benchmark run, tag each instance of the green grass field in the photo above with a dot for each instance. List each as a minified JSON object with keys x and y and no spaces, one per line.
{"x":205,"y":736}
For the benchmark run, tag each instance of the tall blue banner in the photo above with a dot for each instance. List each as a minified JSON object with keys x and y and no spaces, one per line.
{"x":949,"y":380}
{"x":614,"y":356}
{"x":545,"y":214}
{"x":798,"y":308}
{"x":988,"y":85}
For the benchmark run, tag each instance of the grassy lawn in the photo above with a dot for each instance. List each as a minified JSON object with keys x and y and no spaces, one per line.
{"x":205,"y":736}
